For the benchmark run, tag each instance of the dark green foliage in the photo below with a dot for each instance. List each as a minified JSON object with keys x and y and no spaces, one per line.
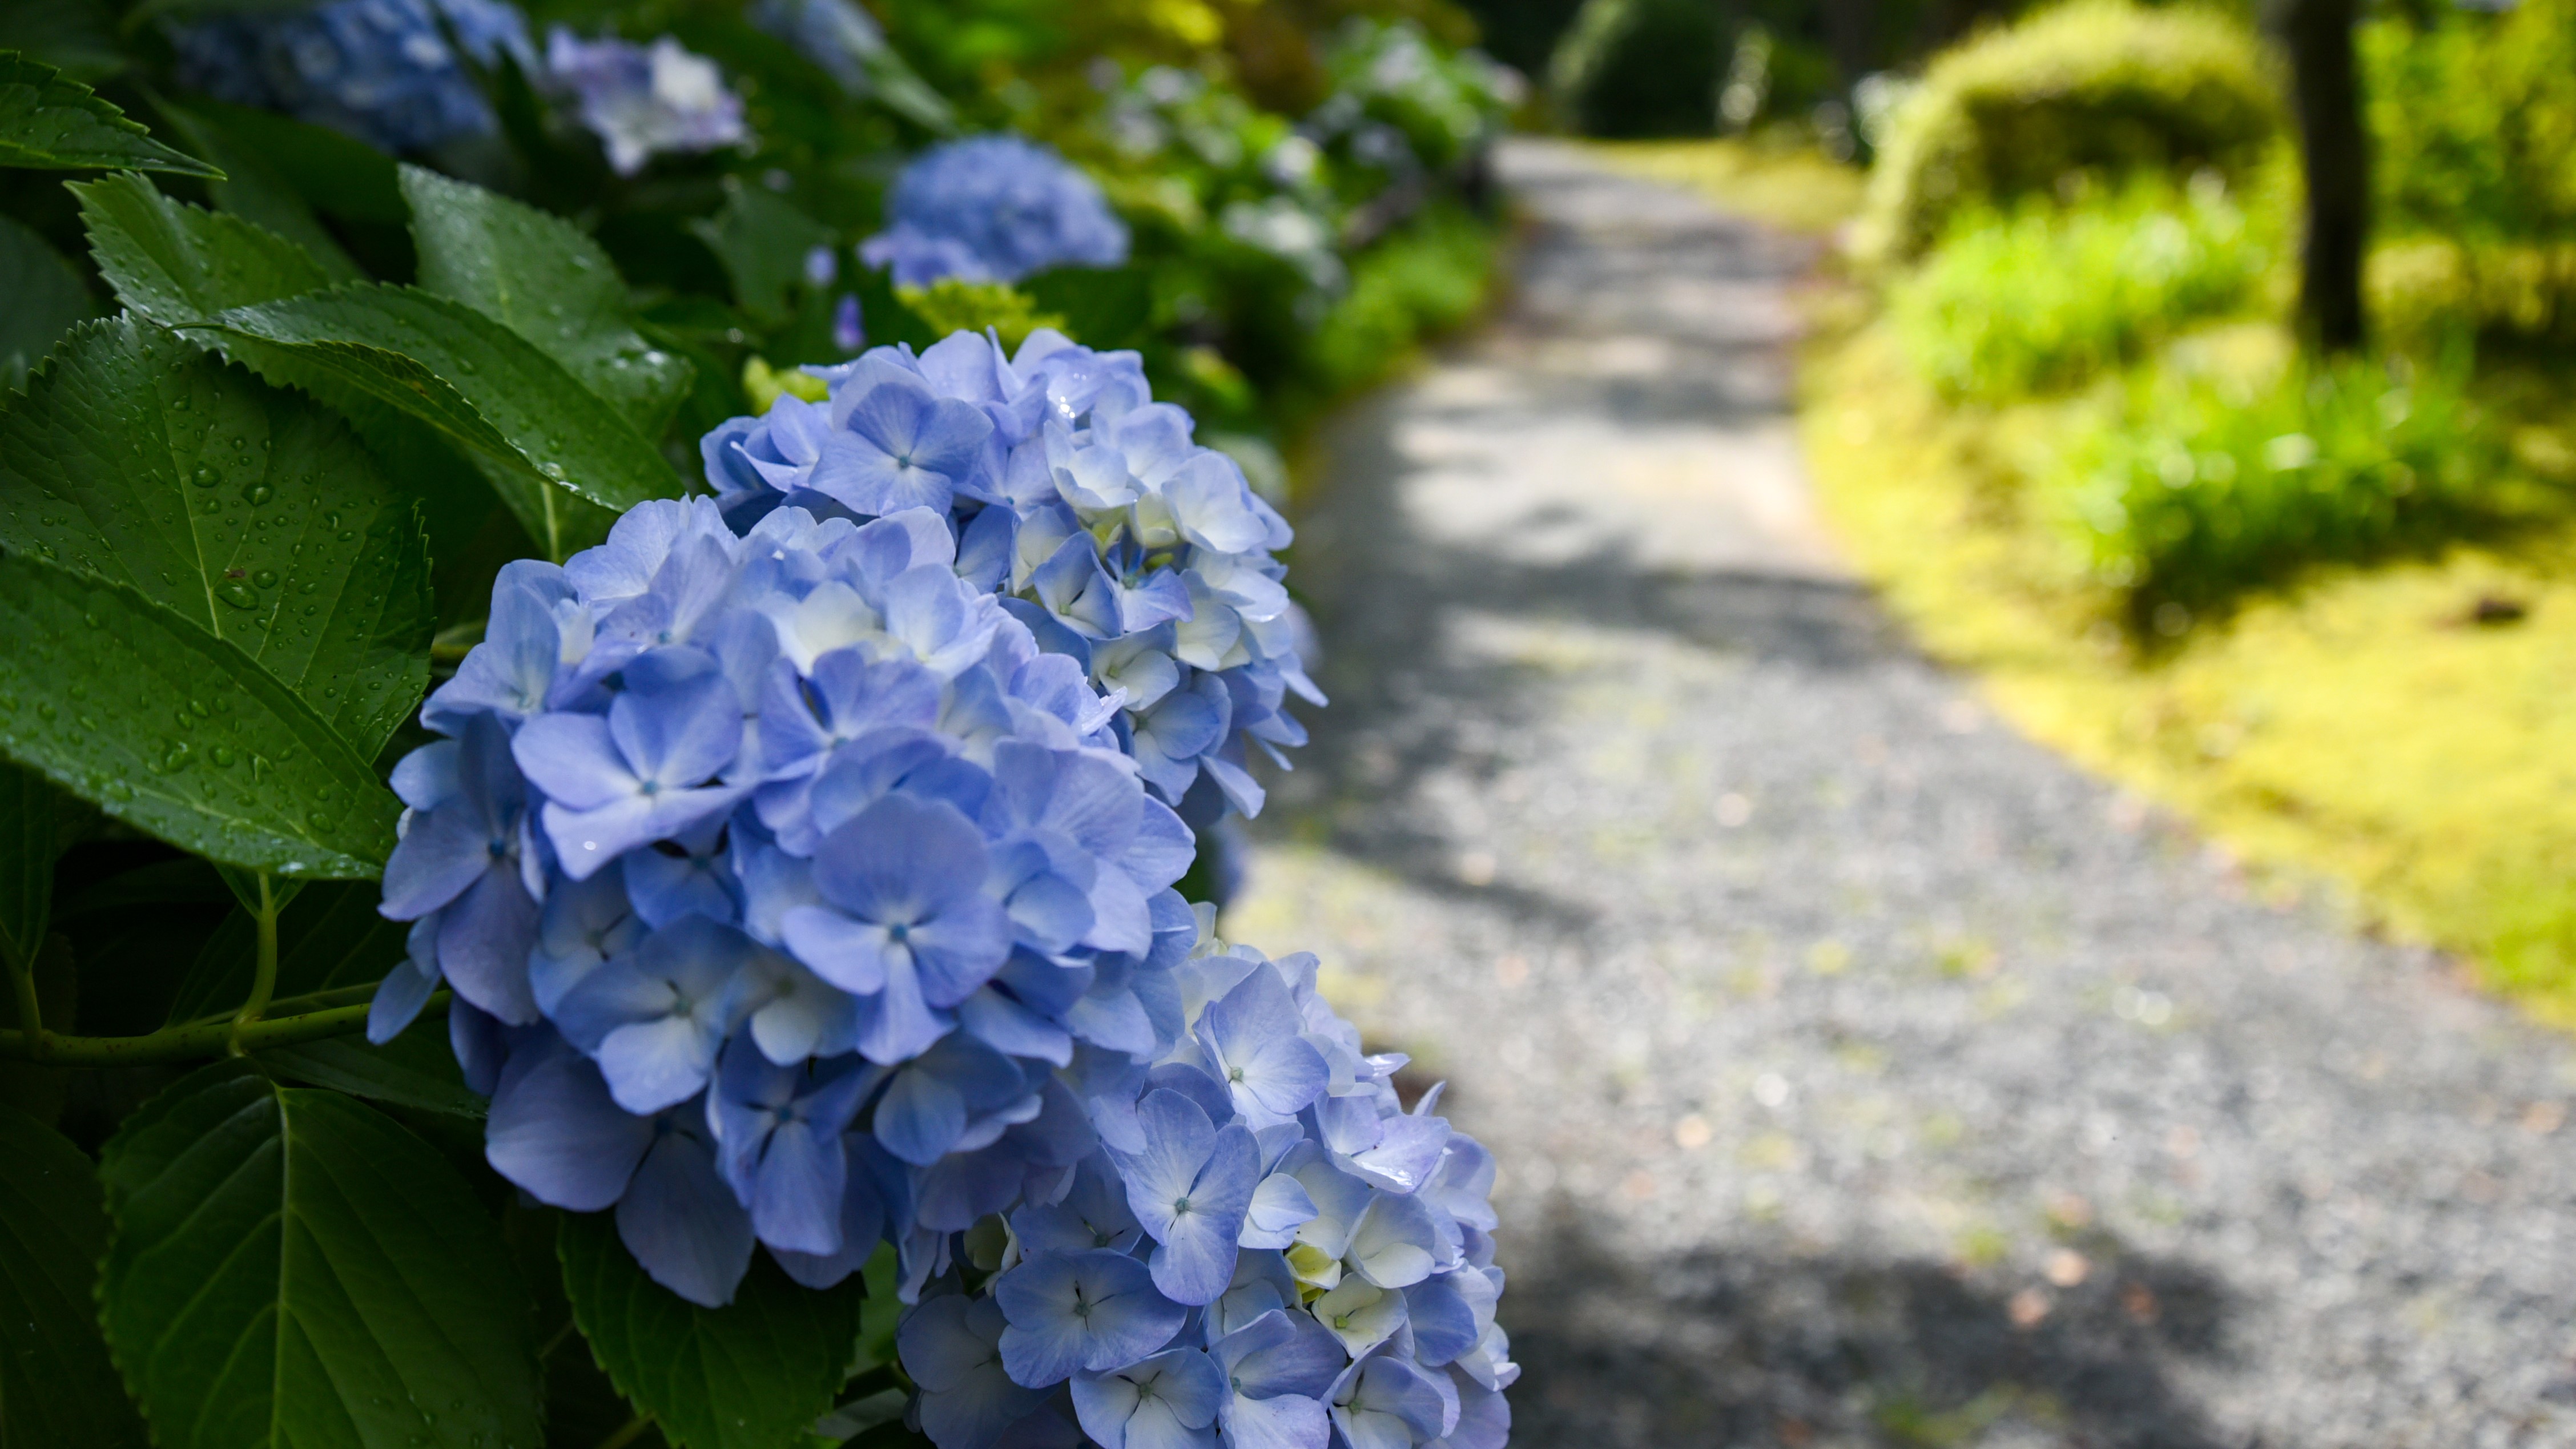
{"x":1522,"y":33}
{"x":749,"y":1375}
{"x":29,"y":842}
{"x":762,"y":240}
{"x":46,"y":296}
{"x":539,"y":433}
{"x":252,"y":513}
{"x":1639,"y":68}
{"x":100,"y":688}
{"x":255,"y":190}
{"x":176,"y":263}
{"x":2097,"y":86}
{"x":1104,"y":308}
{"x":329,"y":936}
{"x":56,"y":1383}
{"x":49,"y":122}
{"x":291,"y":1266}
{"x":416,"y":1069}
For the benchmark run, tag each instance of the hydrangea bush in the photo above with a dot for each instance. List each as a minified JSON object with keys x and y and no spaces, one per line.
{"x":642,"y":101}
{"x":769,"y":993}
{"x":1402,"y":106}
{"x":382,"y":70}
{"x":386,"y":72}
{"x":993,"y":209}
{"x":801,"y":860}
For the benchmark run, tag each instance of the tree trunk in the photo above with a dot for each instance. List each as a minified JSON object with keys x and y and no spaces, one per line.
{"x":2318,"y":34}
{"x":1851,"y":34}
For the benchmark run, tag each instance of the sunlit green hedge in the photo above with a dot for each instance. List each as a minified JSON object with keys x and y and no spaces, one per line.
{"x":2098,"y":85}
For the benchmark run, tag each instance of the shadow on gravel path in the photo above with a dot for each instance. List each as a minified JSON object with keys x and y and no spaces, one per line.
{"x":1747,"y":1349}
{"x":1860,"y":1073}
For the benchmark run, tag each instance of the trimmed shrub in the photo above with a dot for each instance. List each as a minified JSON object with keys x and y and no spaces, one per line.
{"x":2051,"y":297}
{"x":2097,"y":85}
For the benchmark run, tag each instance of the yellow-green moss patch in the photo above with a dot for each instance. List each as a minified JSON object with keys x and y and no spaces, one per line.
{"x":2406,"y":732}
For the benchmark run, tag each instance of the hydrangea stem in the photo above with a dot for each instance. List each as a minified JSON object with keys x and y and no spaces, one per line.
{"x":197,"y":1041}
{"x":31,"y":1016}
{"x":263,"y":982}
{"x":627,"y":1434}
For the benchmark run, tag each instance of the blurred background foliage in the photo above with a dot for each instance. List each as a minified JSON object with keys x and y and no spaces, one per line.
{"x":1304,"y":182}
{"x":2070,"y":405}
{"x":2080,"y":242}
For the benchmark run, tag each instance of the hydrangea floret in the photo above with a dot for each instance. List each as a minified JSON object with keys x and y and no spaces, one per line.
{"x":1088,"y":510}
{"x":642,"y":101}
{"x":993,"y":209}
{"x":796,"y":896}
{"x":381,"y":70}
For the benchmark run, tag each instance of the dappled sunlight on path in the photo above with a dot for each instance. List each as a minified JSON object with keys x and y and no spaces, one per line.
{"x":1860,"y":1073}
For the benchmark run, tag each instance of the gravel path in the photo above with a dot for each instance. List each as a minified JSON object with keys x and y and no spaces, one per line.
{"x":1862,"y":1074}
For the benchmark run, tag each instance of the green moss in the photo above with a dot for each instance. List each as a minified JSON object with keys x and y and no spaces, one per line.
{"x":2367,"y":732}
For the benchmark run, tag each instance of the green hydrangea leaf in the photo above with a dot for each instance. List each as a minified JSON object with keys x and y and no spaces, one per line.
{"x":177,"y":263}
{"x":335,"y":172}
{"x":49,"y":122}
{"x":1102,"y":307}
{"x":251,"y":512}
{"x":45,"y":298}
{"x":56,"y":1383}
{"x":564,"y":461}
{"x":753,"y":1374}
{"x":415,"y":1069}
{"x":550,"y":429}
{"x":537,"y":275}
{"x":289,"y":1266}
{"x":255,"y":190}
{"x":762,"y":240}
{"x":176,"y":732}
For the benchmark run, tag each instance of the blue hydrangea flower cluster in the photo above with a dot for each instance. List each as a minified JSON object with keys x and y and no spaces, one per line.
{"x":380,"y":70}
{"x":797,"y":896}
{"x":642,"y":101}
{"x":993,"y":209}
{"x":1264,"y":1251}
{"x":733,"y":839}
{"x":1085,"y":506}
